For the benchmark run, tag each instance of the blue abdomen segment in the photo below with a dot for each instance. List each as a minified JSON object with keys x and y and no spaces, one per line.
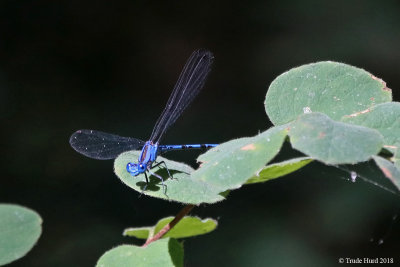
{"x":166,"y":148}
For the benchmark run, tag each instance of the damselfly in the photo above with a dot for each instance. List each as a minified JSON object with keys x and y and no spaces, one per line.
{"x":100,"y":145}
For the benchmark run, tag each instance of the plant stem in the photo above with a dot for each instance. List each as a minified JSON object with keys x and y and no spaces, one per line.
{"x":169,"y":226}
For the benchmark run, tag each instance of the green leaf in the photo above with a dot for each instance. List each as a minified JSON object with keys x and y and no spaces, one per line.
{"x":20,"y":229}
{"x":332,"y":142}
{"x":164,"y":252}
{"x":335,"y":89}
{"x":280,"y":169}
{"x":383,"y":117}
{"x":139,"y":232}
{"x":182,"y":188}
{"x":186,"y":227}
{"x":231,"y":164}
{"x":389,"y":170}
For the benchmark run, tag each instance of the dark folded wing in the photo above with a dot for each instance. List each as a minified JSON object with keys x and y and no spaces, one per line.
{"x":189,"y":84}
{"x":100,"y":145}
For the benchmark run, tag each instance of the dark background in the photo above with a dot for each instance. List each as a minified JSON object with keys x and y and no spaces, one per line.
{"x":111,"y":65}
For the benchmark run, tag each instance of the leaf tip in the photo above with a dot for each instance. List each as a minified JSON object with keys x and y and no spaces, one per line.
{"x":385,"y":88}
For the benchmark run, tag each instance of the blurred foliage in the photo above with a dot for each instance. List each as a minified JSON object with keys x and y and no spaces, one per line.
{"x":166,"y":252}
{"x":20,"y":230}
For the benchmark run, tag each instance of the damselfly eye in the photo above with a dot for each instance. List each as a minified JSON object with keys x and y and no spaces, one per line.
{"x":132,"y":168}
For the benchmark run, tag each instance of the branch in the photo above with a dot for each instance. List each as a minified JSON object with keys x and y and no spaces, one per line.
{"x":169,"y":226}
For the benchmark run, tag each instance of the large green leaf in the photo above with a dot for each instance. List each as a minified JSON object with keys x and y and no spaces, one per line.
{"x":332,"y":142}
{"x":385,"y":118}
{"x":335,"y":89}
{"x":389,"y":170}
{"x":20,"y":229}
{"x":279,"y":169}
{"x":164,"y":252}
{"x":182,"y":188}
{"x":186,"y":227}
{"x":231,"y":164}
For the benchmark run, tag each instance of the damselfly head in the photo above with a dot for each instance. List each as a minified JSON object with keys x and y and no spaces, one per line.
{"x":136,"y":169}
{"x":132,"y":168}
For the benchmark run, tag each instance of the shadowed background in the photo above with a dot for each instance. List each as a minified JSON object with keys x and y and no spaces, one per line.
{"x":110,"y":66}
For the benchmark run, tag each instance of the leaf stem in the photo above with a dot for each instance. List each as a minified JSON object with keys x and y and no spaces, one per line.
{"x":169,"y":226}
